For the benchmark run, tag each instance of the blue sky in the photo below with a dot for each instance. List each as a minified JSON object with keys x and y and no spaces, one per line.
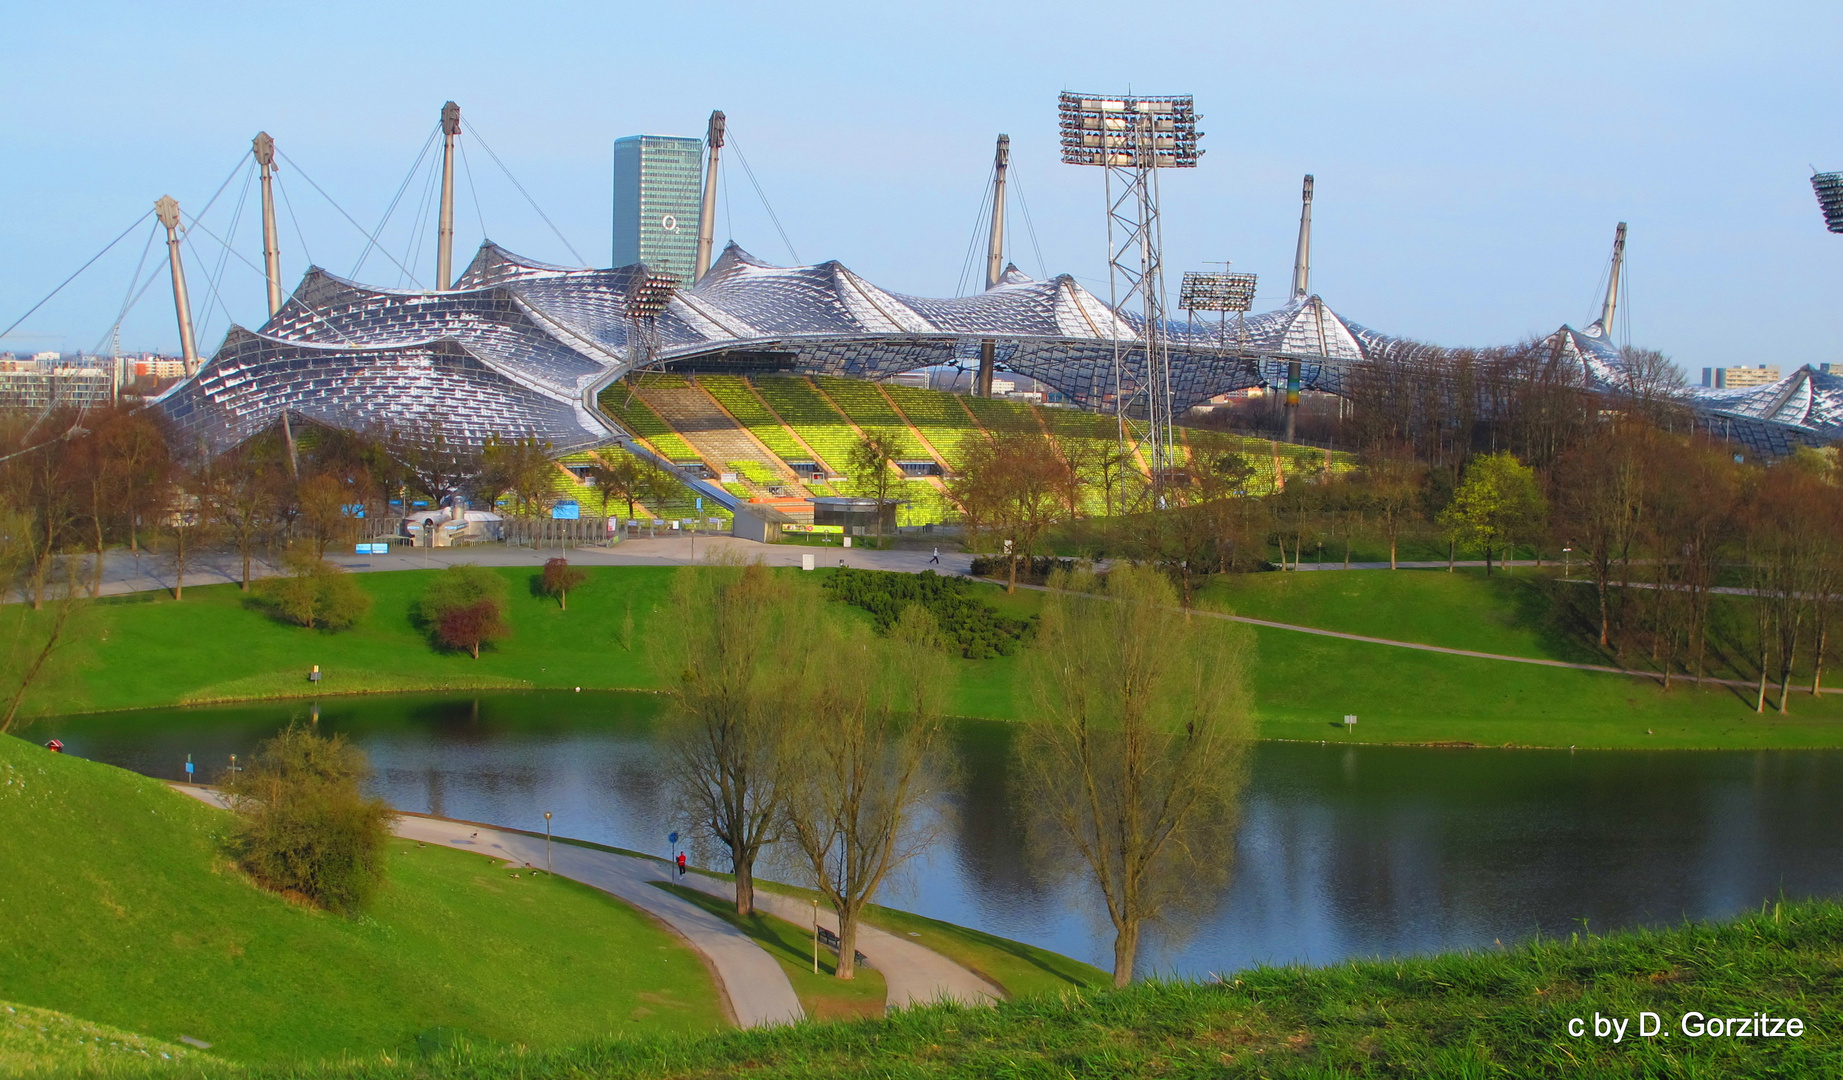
{"x":1471,"y":159}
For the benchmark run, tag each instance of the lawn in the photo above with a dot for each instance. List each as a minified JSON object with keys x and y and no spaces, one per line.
{"x":1492,"y":1013}
{"x":215,"y":646}
{"x":120,"y":909}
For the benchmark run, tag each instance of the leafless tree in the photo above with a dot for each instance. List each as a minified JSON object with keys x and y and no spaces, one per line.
{"x":1137,"y":747}
{"x":737,"y":657}
{"x":866,"y":763}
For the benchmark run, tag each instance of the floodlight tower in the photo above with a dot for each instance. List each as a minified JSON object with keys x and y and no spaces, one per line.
{"x":1221,"y":292}
{"x":1829,"y":189}
{"x":1133,"y":137}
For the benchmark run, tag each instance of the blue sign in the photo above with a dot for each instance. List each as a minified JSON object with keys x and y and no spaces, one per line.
{"x":189,"y":771}
{"x":566,"y":511}
{"x":671,"y":838}
{"x":700,"y":503}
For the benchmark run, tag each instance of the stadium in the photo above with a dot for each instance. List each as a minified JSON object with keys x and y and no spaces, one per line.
{"x":788,"y":363}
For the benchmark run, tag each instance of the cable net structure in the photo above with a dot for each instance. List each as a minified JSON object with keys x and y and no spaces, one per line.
{"x":520,"y":348}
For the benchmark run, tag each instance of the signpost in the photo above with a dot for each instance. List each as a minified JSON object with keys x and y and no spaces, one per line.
{"x":547,"y":841}
{"x":1350,"y":724}
{"x":188,"y":768}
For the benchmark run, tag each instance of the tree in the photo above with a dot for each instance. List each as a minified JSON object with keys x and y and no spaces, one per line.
{"x":521,"y":467}
{"x":472,"y":625}
{"x":866,"y":748}
{"x":303,"y":824}
{"x":872,"y":460}
{"x":248,"y":497}
{"x":558,"y":578}
{"x":737,"y":658}
{"x":325,"y":510}
{"x":314,"y":593}
{"x":190,"y":521}
{"x":1599,"y":501}
{"x":465,"y":607}
{"x":1498,"y":502}
{"x":35,"y":641}
{"x":1136,"y":750}
{"x":1395,"y":489}
{"x":617,"y":479}
{"x":1011,"y":484}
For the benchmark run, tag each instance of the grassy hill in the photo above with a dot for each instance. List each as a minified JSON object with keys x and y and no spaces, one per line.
{"x":119,"y":908}
{"x":1486,"y":1014}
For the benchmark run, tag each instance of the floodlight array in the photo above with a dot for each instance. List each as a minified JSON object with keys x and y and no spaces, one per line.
{"x":649,"y":294}
{"x":1129,"y":132}
{"x":1829,"y":188}
{"x":1211,"y":290}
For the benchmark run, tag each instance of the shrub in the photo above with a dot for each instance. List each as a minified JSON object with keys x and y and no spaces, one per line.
{"x":558,"y":578}
{"x":972,"y":627}
{"x":304,"y":828}
{"x":465,"y":607}
{"x":1034,"y":570}
{"x":315,"y":593}
{"x":470,"y":627}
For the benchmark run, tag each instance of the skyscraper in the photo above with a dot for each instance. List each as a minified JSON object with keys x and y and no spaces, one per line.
{"x":657,"y":189}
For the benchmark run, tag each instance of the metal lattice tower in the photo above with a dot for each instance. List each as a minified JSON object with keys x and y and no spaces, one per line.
{"x":1132,"y":138}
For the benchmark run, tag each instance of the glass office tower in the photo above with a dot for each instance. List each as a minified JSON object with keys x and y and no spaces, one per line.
{"x":658,"y":185}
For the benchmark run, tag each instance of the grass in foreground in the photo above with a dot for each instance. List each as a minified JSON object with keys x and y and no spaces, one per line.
{"x":42,"y":1041}
{"x":118,"y":908}
{"x":822,"y":995}
{"x":1482,"y":1014}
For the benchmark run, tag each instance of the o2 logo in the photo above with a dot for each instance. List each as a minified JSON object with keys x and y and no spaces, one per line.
{"x":669,"y":223}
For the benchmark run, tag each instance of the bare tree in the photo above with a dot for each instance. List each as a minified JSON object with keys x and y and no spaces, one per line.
{"x":1011,"y":484}
{"x":736,"y":657}
{"x":1136,"y":752}
{"x":34,"y":640}
{"x":865,"y":763}
{"x":1599,"y":497}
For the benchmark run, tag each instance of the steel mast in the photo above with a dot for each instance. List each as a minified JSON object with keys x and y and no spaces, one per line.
{"x":444,"y":232}
{"x":995,"y":258}
{"x":1133,"y":137}
{"x":1610,"y":305}
{"x":264,"y":149}
{"x":707,"y":212}
{"x":167,"y":210}
{"x":1302,"y":288}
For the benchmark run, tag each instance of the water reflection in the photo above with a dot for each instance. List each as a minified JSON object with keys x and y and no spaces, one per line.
{"x":1343,"y":851}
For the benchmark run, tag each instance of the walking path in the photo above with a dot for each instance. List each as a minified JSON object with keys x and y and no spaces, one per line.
{"x":757,"y":989}
{"x":916,"y":975}
{"x":131,"y":573}
{"x":1473,"y":653}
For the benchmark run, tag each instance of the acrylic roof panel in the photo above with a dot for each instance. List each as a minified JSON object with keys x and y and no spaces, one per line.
{"x":519,"y":346}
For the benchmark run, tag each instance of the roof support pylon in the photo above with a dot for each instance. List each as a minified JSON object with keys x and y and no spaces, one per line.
{"x":707,"y":212}
{"x":167,"y":210}
{"x":1302,"y":258}
{"x":1610,"y":306}
{"x":995,"y":246}
{"x":264,"y":149}
{"x":444,"y":230}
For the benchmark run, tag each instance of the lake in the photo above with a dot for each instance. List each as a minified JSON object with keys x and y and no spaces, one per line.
{"x":1344,"y":850}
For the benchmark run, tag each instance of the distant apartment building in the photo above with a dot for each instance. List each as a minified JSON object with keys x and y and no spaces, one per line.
{"x":1736,"y":378}
{"x":61,"y":386}
{"x":658,"y":191}
{"x":157,"y":367}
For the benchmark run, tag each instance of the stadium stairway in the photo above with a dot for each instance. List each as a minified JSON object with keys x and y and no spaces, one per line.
{"x":728,"y":447}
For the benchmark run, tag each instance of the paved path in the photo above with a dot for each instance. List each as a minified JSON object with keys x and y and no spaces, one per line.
{"x":757,"y":990}
{"x":915,"y":975}
{"x":123,"y":572}
{"x":1473,"y":653}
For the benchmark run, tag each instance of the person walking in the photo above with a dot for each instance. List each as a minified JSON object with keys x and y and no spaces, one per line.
{"x":681,"y":864}
{"x":937,"y":556}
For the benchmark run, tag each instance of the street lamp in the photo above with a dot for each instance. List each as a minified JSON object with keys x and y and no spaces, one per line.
{"x":815,"y":935}
{"x":1567,"y":560}
{"x":547,"y":841}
